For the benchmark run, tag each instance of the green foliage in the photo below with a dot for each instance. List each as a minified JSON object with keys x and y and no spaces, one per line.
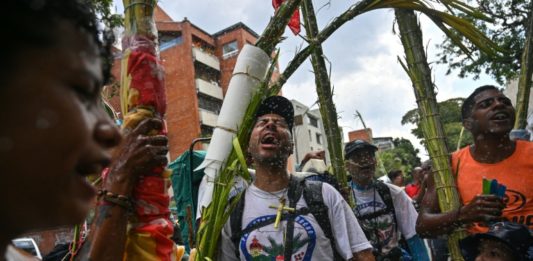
{"x":403,"y":156}
{"x":508,"y":31}
{"x":108,"y":19}
{"x":450,"y":115}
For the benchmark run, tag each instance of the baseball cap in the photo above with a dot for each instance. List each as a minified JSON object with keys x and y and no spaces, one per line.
{"x":356,"y":145}
{"x":516,"y":236}
{"x":277,"y":105}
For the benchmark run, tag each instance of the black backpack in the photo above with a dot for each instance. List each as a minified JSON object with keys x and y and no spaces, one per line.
{"x":322,"y":177}
{"x":312,"y":193}
{"x":385,"y":194}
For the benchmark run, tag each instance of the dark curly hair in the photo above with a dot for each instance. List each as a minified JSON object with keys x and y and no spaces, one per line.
{"x":394,"y":174}
{"x":468,"y":104}
{"x":31,"y":23}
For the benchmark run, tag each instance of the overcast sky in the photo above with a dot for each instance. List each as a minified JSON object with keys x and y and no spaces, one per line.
{"x":363,"y":53}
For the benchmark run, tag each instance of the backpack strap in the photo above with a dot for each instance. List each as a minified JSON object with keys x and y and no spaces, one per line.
{"x":236,"y":223}
{"x":296,"y":187}
{"x":385,"y":194}
{"x":315,"y":202}
{"x":373,"y":214}
{"x":294,"y":194}
{"x":312,"y":193}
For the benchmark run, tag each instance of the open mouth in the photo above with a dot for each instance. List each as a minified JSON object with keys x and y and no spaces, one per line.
{"x":365,"y":168}
{"x":269,"y":140}
{"x":500,"y":116}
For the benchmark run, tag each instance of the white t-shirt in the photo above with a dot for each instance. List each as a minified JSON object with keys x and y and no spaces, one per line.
{"x":381,"y":229}
{"x":239,"y":184}
{"x":309,"y":241}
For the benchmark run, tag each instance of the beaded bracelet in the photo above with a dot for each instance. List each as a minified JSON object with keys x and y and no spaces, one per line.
{"x":116,"y":199}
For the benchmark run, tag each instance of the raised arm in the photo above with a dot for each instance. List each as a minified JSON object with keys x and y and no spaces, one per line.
{"x":431,"y":222}
{"x":137,"y":154}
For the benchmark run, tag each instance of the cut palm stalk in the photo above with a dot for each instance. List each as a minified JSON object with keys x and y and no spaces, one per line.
{"x":524,"y":82}
{"x":442,"y":19}
{"x":325,"y":99}
{"x":143,"y":96}
{"x":418,"y":70}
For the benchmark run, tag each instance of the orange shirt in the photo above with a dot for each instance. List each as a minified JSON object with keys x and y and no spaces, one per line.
{"x":515,"y":172}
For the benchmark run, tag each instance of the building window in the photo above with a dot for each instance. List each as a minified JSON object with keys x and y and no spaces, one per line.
{"x":209,"y":103}
{"x":207,"y":131}
{"x":168,"y":40}
{"x":230,"y":49}
{"x":318,"y":138}
{"x":203,"y":45}
{"x":312,"y":121}
{"x":206,"y":73}
{"x":310,"y":136}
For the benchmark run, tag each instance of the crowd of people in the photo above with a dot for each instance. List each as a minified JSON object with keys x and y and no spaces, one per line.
{"x":59,"y":135}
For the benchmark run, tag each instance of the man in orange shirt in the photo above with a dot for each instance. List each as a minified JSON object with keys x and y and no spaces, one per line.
{"x":489,"y":115}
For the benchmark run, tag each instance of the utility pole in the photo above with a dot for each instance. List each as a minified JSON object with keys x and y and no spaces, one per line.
{"x":381,"y":166}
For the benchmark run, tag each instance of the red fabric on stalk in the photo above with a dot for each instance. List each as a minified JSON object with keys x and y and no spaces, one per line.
{"x":151,"y":208}
{"x":147,"y":77}
{"x":151,"y":199}
{"x":294,"y":23}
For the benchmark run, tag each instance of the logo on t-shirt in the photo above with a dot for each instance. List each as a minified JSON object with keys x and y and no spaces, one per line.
{"x":380,"y":230}
{"x":514,"y":200}
{"x":266,"y":243}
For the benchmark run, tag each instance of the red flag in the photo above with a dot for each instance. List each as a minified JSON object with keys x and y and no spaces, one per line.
{"x":294,"y":23}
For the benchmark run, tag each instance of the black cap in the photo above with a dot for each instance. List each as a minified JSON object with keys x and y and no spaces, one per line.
{"x":516,"y":236}
{"x":356,"y":145}
{"x":277,"y":105}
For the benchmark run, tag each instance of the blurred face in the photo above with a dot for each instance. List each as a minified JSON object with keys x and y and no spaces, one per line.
{"x":54,"y":132}
{"x":492,"y":113}
{"x":270,"y":141}
{"x":417,"y":174}
{"x":361,"y":164}
{"x":398,"y":181}
{"x":425,"y":170}
{"x":491,"y":250}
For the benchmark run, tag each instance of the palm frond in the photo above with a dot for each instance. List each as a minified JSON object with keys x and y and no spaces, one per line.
{"x":445,"y":21}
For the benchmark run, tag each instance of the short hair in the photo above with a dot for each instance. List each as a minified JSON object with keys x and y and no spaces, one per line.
{"x":394,"y":174}
{"x":31,"y":24}
{"x":468,"y":104}
{"x":427,"y":163}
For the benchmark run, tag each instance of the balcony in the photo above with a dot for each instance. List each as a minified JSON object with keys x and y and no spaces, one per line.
{"x":208,"y":118}
{"x":205,"y":58}
{"x":208,"y":88}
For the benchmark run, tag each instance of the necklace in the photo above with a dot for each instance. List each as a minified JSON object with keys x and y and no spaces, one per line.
{"x":373,"y":221}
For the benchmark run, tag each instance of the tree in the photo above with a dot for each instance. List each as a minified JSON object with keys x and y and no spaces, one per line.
{"x":403,"y":156}
{"x":508,"y":31}
{"x":106,"y":17}
{"x":450,"y":115}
